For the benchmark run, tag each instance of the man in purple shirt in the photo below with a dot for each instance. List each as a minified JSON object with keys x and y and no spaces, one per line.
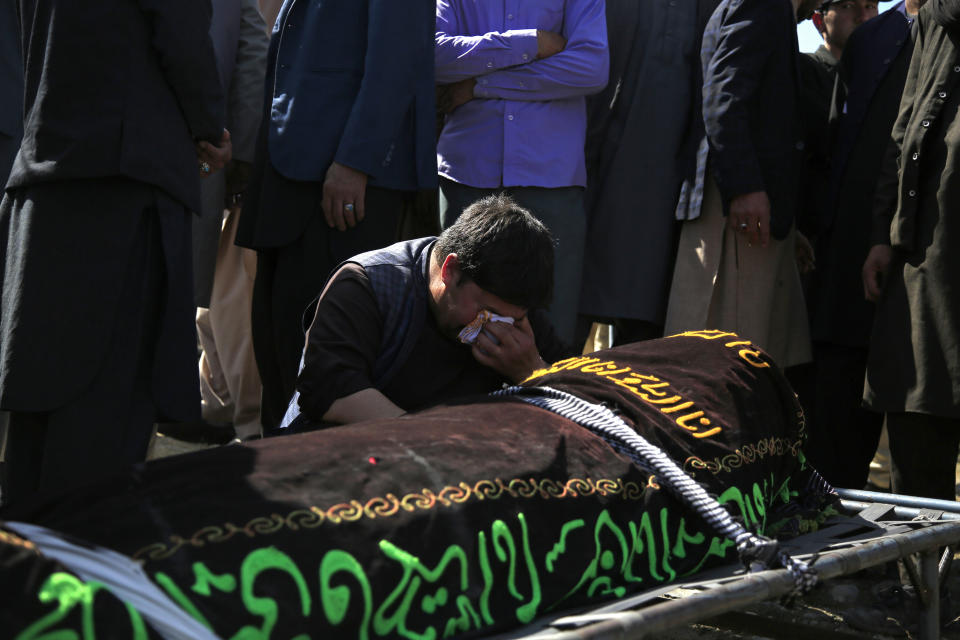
{"x":517,"y":73}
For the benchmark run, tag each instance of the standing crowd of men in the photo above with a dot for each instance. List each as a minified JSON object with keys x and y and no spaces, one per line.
{"x":658,"y":165}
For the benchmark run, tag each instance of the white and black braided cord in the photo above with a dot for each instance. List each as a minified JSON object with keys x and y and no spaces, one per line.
{"x":755,"y":551}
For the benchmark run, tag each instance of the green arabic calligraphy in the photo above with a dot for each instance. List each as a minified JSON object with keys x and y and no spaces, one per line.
{"x":504,"y":576}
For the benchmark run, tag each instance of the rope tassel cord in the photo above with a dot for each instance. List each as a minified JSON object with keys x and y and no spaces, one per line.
{"x":756,"y":552}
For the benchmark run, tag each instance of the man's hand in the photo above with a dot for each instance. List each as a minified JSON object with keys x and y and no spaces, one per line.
{"x":875,"y":269}
{"x":343,"y":190}
{"x":806,"y":259}
{"x":213,"y":158}
{"x":456,"y":94}
{"x":516,"y":357}
{"x":549,"y":43}
{"x":750,"y":214}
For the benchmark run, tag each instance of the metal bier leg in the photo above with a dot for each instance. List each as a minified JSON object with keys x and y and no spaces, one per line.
{"x":929,"y":592}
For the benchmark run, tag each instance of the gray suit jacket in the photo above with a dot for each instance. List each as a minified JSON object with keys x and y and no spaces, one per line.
{"x":240,"y":41}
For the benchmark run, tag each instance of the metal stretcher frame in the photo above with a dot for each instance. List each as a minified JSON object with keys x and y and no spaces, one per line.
{"x":875,"y":528}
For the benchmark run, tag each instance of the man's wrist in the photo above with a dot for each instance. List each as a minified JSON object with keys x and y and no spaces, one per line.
{"x":540,"y":363}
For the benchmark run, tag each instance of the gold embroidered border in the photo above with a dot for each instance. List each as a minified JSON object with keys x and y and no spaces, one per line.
{"x":747,"y":454}
{"x":7,"y":537}
{"x":390,"y":505}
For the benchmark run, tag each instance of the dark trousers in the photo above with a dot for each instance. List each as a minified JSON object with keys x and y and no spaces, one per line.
{"x":923,"y":451}
{"x":561,"y":209}
{"x":290,"y":277}
{"x":843,"y":435}
{"x":109,"y":424}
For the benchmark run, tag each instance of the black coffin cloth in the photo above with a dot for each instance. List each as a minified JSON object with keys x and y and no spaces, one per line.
{"x":464,"y":519}
{"x":38,"y":595}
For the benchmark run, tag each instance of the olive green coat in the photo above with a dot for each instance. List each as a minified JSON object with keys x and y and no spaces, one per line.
{"x":914,"y":362}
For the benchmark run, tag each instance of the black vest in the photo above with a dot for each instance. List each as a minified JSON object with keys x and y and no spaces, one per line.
{"x":398,"y":275}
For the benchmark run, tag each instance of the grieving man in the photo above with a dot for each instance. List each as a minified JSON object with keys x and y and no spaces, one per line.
{"x":388,"y":331}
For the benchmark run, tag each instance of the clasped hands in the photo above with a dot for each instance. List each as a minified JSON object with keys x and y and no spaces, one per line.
{"x":214,"y":157}
{"x":459,"y":93}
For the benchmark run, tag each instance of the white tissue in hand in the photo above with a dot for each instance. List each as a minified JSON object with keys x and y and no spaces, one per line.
{"x":468,"y":335}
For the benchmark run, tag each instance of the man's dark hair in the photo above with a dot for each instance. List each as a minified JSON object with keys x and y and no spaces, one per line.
{"x":504,"y":249}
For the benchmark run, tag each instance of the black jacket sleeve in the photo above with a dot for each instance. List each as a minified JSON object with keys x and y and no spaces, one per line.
{"x":342,"y":343}
{"x":731,"y":82}
{"x":181,"y":36}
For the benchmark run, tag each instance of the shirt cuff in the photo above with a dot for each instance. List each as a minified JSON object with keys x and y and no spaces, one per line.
{"x":523,"y":45}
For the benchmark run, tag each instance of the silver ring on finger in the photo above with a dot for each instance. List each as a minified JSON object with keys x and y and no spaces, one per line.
{"x":743,"y":226}
{"x":348,"y":208}
{"x":205,"y":167}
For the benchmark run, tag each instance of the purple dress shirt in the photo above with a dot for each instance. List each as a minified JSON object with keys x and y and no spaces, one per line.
{"x":525,"y":126}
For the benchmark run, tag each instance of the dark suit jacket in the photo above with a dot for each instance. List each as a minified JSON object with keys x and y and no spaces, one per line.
{"x":876,"y":49}
{"x":818,"y":73}
{"x":124,"y":88}
{"x":352,"y":81}
{"x":872,"y":73}
{"x":11,"y":87}
{"x":750,"y":58}
{"x":11,"y":70}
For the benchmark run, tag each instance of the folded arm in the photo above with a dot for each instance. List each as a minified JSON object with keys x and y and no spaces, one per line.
{"x":582,"y":68}
{"x":458,"y":57}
